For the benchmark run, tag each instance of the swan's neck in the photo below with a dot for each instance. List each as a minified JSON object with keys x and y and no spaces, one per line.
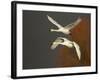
{"x":55,"y":30}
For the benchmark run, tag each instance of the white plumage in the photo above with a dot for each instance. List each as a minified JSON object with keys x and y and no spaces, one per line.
{"x":66,"y":29}
{"x":67,"y":43}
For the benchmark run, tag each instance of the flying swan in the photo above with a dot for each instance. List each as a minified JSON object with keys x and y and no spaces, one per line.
{"x":66,"y":29}
{"x":67,"y":43}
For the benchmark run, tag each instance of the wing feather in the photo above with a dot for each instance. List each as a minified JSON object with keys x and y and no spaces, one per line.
{"x":54,"y":22}
{"x":77,"y":50}
{"x":53,"y":46}
{"x":74,"y":24}
{"x":56,"y":43}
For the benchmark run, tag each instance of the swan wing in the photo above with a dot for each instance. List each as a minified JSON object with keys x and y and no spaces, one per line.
{"x":54,"y":22}
{"x":56,"y":43}
{"x":53,"y":46}
{"x":77,"y":50}
{"x":74,"y":24}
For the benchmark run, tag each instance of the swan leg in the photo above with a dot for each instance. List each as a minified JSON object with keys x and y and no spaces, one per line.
{"x":77,"y":50}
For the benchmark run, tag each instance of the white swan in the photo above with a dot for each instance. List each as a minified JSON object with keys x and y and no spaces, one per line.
{"x":66,"y":29}
{"x":67,"y":43}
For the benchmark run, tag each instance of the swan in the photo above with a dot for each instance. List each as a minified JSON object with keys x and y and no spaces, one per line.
{"x":66,"y":29}
{"x":67,"y":43}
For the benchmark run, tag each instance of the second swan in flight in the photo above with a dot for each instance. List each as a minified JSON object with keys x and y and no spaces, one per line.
{"x":67,"y":43}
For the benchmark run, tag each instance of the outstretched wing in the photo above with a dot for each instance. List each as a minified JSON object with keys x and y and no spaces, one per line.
{"x":77,"y":50}
{"x":56,"y":43}
{"x":53,"y":46}
{"x":54,"y":22}
{"x":74,"y":24}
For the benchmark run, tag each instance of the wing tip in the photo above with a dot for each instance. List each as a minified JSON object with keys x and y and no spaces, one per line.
{"x":48,"y":16}
{"x":78,"y":52}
